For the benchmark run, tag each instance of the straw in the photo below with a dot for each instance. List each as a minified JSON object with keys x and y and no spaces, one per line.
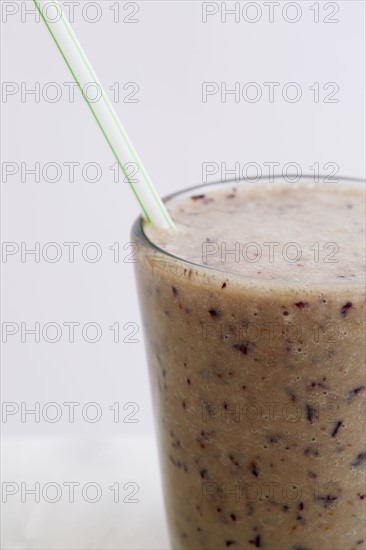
{"x":104,"y":114}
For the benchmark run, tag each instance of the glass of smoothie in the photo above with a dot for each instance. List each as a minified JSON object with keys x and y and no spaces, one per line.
{"x":253,"y":313}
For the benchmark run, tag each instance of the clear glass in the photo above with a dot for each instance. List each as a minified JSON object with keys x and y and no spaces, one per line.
{"x":261,"y":433}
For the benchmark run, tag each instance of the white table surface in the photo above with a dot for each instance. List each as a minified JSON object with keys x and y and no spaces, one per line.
{"x":82,"y":525}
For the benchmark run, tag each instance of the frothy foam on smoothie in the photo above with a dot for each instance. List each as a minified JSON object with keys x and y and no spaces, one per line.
{"x":291,"y":232}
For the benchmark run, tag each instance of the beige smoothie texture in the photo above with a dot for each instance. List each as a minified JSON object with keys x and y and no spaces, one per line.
{"x":256,"y":349}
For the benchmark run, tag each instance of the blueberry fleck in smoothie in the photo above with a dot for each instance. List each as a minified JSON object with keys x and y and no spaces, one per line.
{"x":254,"y":325}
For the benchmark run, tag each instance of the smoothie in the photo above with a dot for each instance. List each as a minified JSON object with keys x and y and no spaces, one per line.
{"x":253,"y":314}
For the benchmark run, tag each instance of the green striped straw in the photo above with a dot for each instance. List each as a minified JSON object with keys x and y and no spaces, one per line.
{"x":103,"y":112}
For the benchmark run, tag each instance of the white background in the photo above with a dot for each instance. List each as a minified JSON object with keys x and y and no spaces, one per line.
{"x":169,"y":52}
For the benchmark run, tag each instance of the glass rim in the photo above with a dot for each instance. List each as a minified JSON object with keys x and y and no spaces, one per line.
{"x":138,"y":229}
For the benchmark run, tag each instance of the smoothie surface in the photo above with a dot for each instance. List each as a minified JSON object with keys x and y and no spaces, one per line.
{"x":302,"y":232}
